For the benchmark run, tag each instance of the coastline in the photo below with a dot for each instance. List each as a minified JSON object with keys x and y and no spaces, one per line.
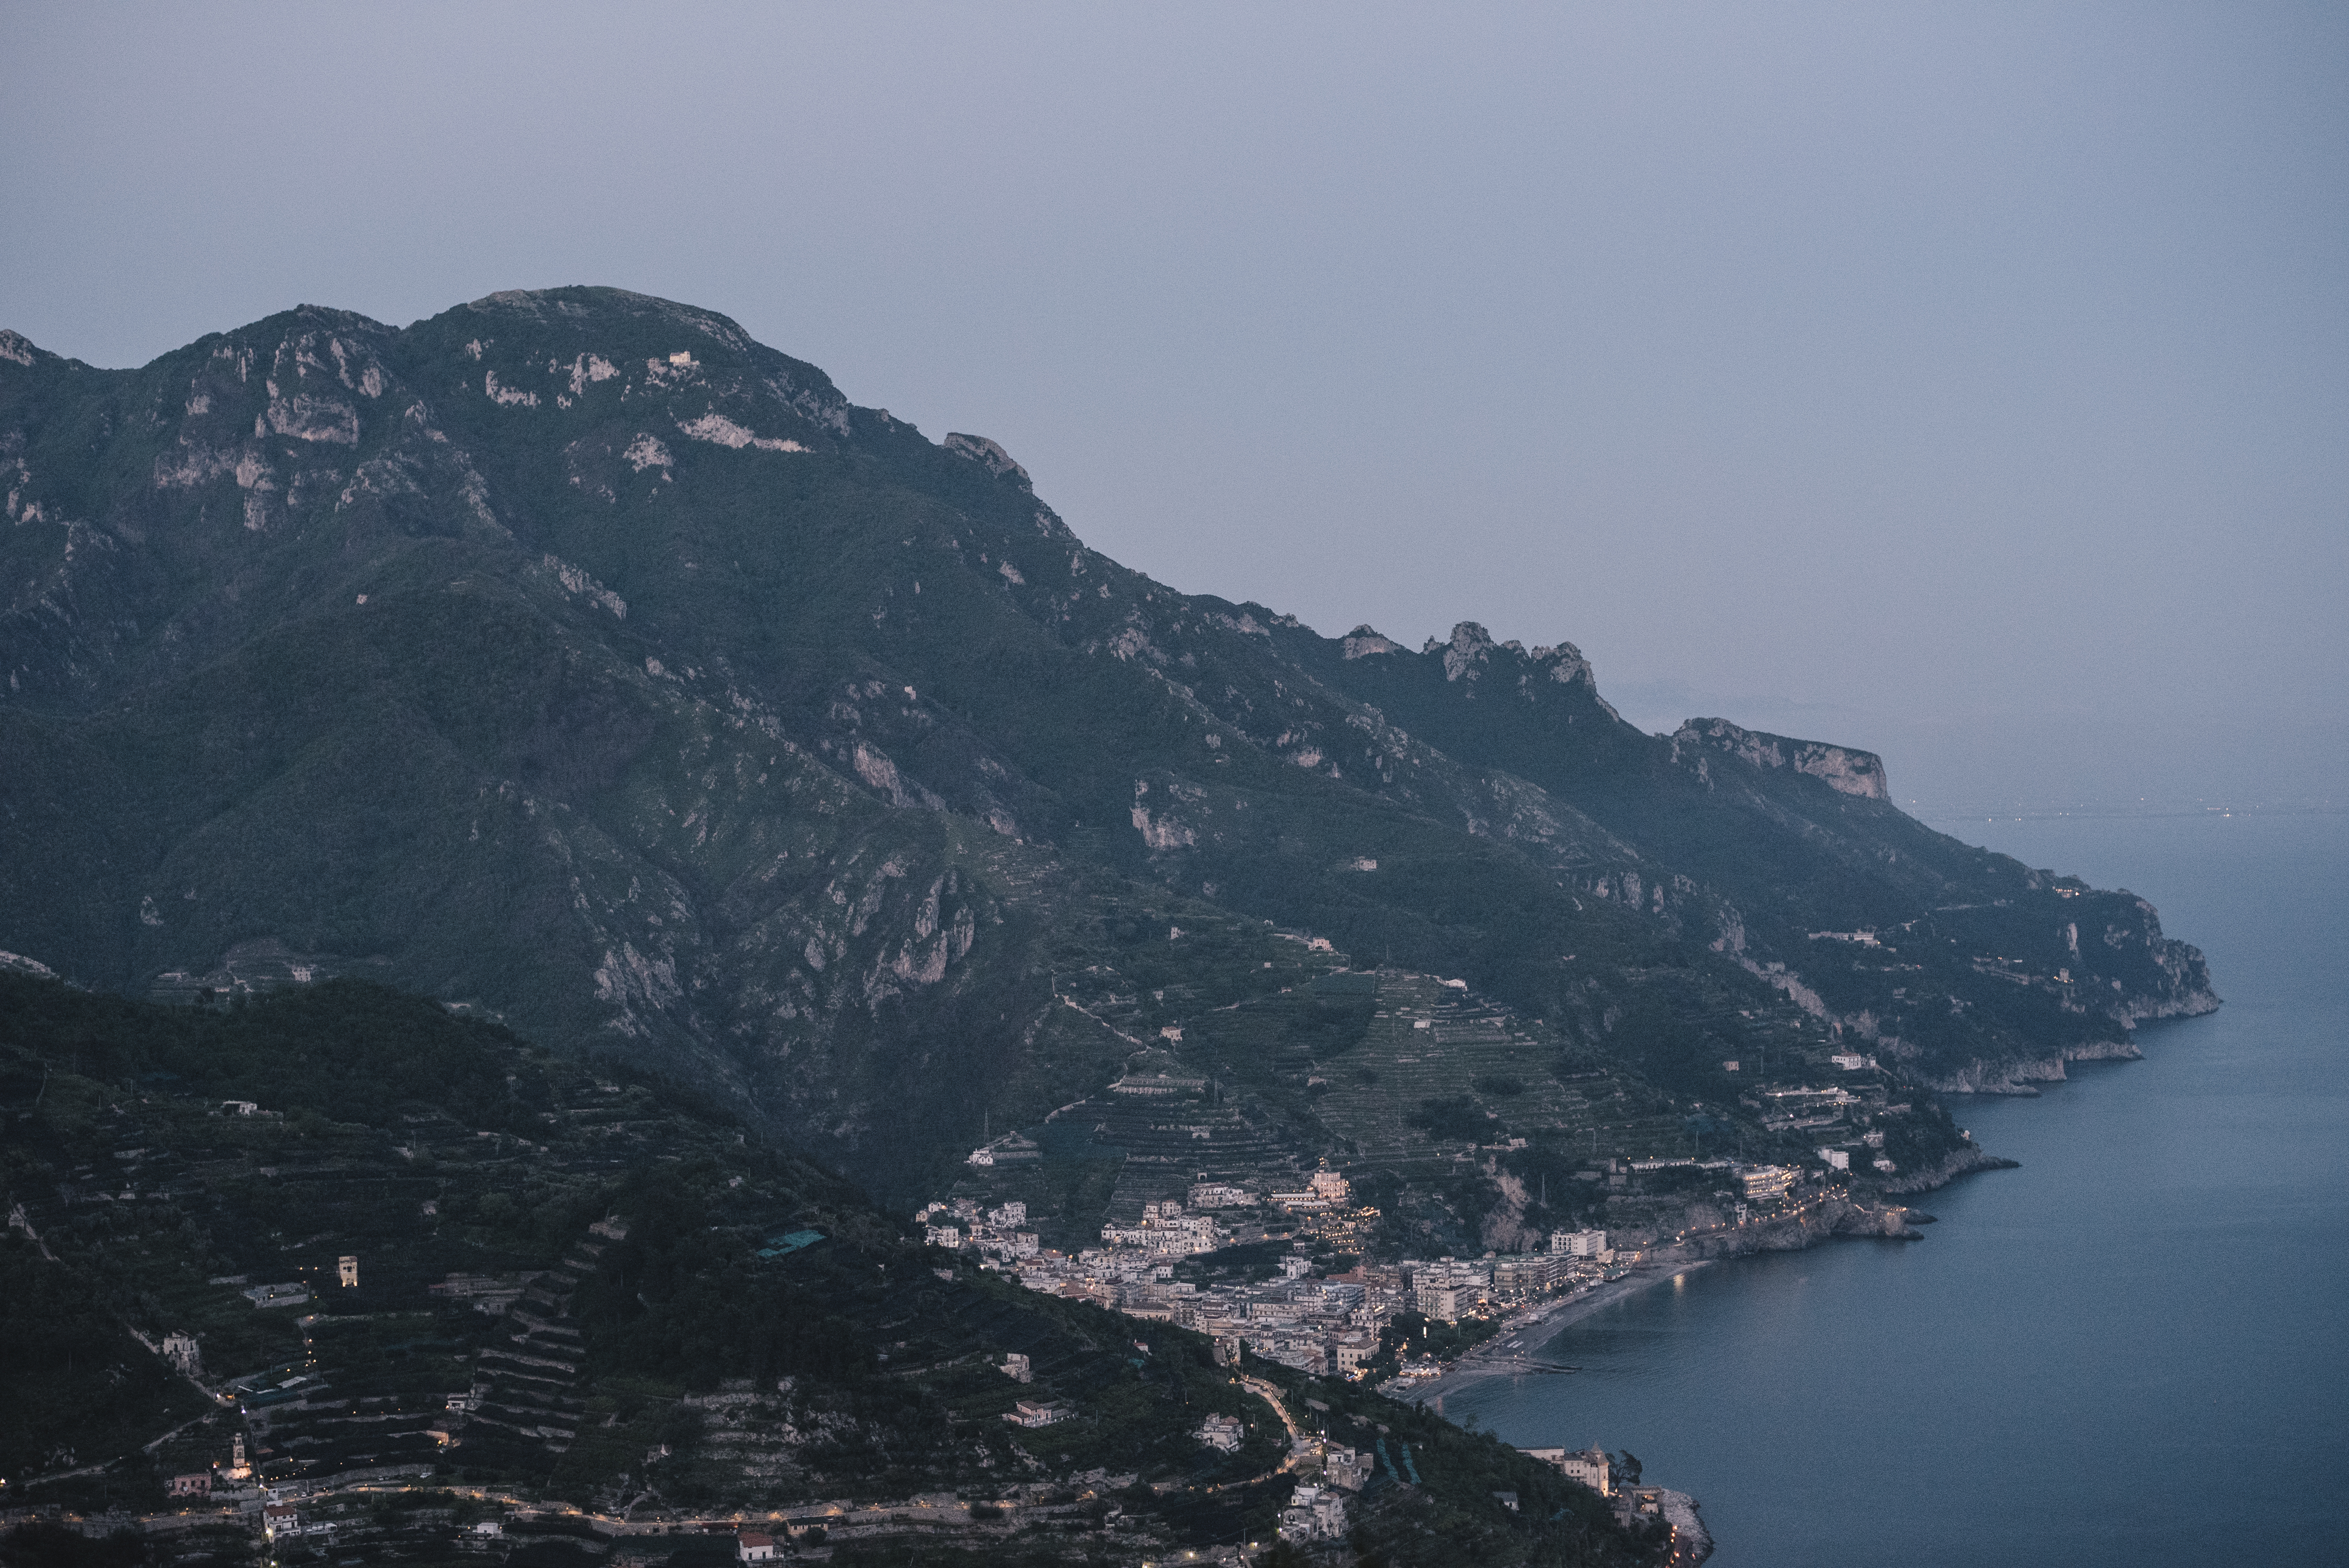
{"x":1506,"y":1354}
{"x":2093,"y":1198}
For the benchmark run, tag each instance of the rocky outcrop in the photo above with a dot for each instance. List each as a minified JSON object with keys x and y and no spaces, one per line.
{"x":1836,"y":1217}
{"x":1959,"y":1162}
{"x":2018,"y":1077}
{"x":988,"y":455}
{"x":1691,"y":1541}
{"x":2185,"y":991}
{"x":1469,"y":651}
{"x":1840,"y":767}
{"x":1464,"y":653}
{"x":1889,"y":1222}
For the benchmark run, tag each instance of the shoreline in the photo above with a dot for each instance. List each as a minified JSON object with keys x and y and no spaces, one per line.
{"x":1492,"y":1358}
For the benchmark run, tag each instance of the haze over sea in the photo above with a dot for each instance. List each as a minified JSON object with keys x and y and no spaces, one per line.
{"x":2133,"y":1350}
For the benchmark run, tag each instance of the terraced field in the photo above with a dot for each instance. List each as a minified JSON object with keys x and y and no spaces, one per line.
{"x":1381,"y":1073}
{"x":1429,"y":1043}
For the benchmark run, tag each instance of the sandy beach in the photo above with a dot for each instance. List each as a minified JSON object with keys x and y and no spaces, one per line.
{"x":1510,"y":1352}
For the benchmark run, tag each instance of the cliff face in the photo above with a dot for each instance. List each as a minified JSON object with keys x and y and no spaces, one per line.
{"x":1696,"y":743}
{"x":573,"y":656}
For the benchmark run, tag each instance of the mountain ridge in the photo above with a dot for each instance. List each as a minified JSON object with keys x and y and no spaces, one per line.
{"x":573,"y":655}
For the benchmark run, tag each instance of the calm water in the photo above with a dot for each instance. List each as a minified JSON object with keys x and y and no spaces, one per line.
{"x":2132,"y":1351}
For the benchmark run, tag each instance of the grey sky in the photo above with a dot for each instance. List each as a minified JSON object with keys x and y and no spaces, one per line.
{"x":1968,"y":381}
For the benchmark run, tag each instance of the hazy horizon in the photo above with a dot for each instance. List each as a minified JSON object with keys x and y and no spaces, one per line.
{"x":1967,"y":385}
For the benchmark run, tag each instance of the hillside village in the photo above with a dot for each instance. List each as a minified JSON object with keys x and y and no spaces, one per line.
{"x":1321,"y":1323}
{"x":1281,"y":1197}
{"x":1277,"y":1204}
{"x":490,"y":1305}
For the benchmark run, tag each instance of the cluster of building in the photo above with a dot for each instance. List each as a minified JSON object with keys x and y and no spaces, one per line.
{"x":999,"y":1235}
{"x":1594,"y":1469}
{"x":1762,"y":1183}
{"x":1315,"y":1513}
{"x":295,"y":1292}
{"x":1840,"y":1158}
{"x":1805,"y":1108}
{"x":1168,"y":1230}
{"x":1787,"y":1110}
{"x":1317,"y":1508}
{"x":1330,"y":1326}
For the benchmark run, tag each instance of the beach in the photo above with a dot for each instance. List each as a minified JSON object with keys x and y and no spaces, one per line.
{"x":1511,"y":1351}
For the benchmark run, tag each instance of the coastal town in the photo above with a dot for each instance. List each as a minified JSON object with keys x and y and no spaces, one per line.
{"x":1325,"y":1242}
{"x":1322,"y":1323}
{"x":1363,"y":1322}
{"x":1350,"y":1232}
{"x":1366,"y":1322}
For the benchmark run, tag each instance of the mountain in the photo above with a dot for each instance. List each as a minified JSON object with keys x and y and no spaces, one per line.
{"x":575,"y":659}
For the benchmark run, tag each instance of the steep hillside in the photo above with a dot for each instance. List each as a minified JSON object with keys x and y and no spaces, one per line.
{"x":420,"y":1269}
{"x":575,"y":657}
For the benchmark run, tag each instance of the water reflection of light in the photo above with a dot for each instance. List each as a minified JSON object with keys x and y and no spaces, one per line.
{"x":1678,"y":1280}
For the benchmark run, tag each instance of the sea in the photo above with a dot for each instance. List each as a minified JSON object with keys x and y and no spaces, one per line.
{"x":2133,"y":1350}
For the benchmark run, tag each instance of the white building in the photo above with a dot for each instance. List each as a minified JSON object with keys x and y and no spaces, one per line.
{"x":1341,"y":1296}
{"x":1314,"y":1512}
{"x":1166,"y":1229}
{"x":1441,"y":1302}
{"x":1221,"y":1432}
{"x":1525,"y":1274}
{"x":1305,"y":1352}
{"x":1219,"y":1195}
{"x":1589,"y":1466}
{"x":1578,"y":1244}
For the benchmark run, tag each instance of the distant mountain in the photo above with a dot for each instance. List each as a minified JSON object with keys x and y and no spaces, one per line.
{"x":571,"y":656}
